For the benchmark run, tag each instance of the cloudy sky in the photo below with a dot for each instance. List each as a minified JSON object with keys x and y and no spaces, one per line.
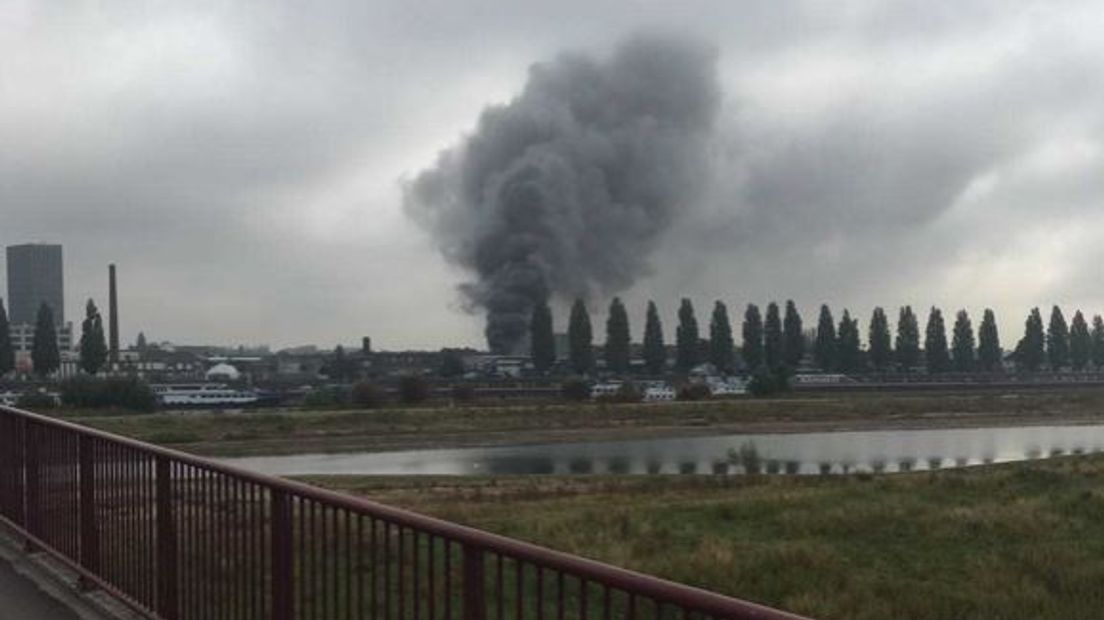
{"x":242,"y":162}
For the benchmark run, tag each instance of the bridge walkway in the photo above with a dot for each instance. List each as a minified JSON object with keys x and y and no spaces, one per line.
{"x":21,"y":598}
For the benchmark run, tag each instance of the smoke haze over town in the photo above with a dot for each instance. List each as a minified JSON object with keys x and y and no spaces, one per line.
{"x":245,"y":165}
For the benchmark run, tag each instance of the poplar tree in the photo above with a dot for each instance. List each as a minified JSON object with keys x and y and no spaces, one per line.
{"x":44,"y":351}
{"x":753,"y":337}
{"x":1098,"y":341}
{"x":617,"y":337}
{"x":963,"y":343}
{"x":686,"y":337}
{"x":542,"y":339}
{"x":908,"y":339}
{"x":1030,"y":353}
{"x":7,"y":352}
{"x":847,"y":346}
{"x":341,"y":367}
{"x":935,"y":343}
{"x":793,"y":340}
{"x":1057,"y":340}
{"x":655,"y":351}
{"x":881,"y":351}
{"x":989,"y":349}
{"x":1080,"y":342}
{"x":824,"y":348}
{"x":721,"y":344}
{"x":772,"y":338}
{"x":93,"y":345}
{"x":580,"y":339}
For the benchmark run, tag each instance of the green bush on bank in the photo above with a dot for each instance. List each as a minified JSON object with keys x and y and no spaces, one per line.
{"x":576,"y":390}
{"x":36,"y":401}
{"x":129,"y":393}
{"x":765,"y":382}
{"x":326,"y":397}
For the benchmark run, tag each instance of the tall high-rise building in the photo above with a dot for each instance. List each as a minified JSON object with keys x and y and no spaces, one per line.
{"x":35,"y":276}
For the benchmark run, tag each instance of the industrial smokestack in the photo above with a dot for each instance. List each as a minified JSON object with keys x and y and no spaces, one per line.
{"x":113,"y":312}
{"x":566,"y":190}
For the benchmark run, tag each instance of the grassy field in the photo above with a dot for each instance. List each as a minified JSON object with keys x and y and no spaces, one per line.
{"x":996,"y":542}
{"x":276,"y":432}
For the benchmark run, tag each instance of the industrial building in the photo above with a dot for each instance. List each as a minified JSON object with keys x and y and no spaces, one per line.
{"x":35,"y":276}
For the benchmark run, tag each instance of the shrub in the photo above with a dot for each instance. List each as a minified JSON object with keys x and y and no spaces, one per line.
{"x":748,"y":457}
{"x":694,"y":391}
{"x":764,"y":382}
{"x":36,"y":401}
{"x":129,"y":393}
{"x":367,"y":394}
{"x":413,"y":389}
{"x":626,"y":393}
{"x":575,"y":389}
{"x":629,"y":393}
{"x":326,"y":397}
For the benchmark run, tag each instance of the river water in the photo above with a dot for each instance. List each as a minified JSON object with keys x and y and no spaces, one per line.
{"x":792,"y":453}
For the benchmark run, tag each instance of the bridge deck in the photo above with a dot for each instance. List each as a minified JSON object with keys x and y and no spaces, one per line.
{"x":21,"y":598}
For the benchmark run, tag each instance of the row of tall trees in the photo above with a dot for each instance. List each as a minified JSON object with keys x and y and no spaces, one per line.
{"x":839,"y":348}
{"x":1074,"y":345}
{"x":777,"y":341}
{"x":45,"y":355}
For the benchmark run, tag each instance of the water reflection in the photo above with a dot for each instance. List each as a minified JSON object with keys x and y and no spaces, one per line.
{"x":800,"y":453}
{"x":619,"y":465}
{"x":581,"y":466}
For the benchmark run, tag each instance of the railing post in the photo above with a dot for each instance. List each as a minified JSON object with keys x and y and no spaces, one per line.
{"x":168,"y":604}
{"x":17,"y":443}
{"x":32,"y":482}
{"x":89,"y":530}
{"x":475,"y":603}
{"x":283,"y":600}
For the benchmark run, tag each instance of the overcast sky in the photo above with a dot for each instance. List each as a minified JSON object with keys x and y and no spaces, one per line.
{"x":242,"y":161}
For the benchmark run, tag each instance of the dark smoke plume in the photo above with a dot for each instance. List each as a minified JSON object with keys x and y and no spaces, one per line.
{"x":566,"y":190}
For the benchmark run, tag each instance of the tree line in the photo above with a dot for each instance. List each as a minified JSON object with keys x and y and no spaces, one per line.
{"x":45,"y":355}
{"x":775,"y":341}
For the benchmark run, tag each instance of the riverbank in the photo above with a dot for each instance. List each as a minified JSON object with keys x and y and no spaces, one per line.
{"x":1009,"y":541}
{"x":293,"y":431}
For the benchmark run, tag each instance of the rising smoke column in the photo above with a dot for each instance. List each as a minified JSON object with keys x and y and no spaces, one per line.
{"x":566,"y":190}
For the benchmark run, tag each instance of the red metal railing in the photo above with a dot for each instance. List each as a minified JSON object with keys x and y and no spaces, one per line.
{"x":178,"y":537}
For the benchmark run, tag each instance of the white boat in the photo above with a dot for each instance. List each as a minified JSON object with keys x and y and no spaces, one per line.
{"x":727,"y":387}
{"x":605,"y":390}
{"x":658,"y":392}
{"x":204,"y":395}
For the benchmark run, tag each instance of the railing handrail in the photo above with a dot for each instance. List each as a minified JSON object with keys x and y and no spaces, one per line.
{"x":684,"y":595}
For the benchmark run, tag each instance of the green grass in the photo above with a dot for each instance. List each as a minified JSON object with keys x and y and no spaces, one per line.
{"x":298,"y":431}
{"x":998,"y":542}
